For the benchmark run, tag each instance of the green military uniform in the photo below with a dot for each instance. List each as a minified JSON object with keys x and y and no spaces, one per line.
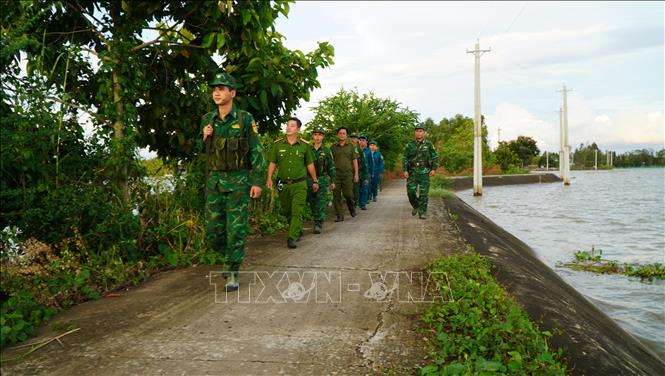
{"x":362,"y":171}
{"x":343,"y":157}
{"x":292,"y":161}
{"x":326,"y":174}
{"x":234,"y":161}
{"x":419,"y":159}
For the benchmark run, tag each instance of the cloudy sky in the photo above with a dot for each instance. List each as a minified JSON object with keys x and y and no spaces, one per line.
{"x":611,"y":54}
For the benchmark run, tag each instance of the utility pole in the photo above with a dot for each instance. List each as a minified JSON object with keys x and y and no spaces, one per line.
{"x":547,"y":161}
{"x":611,"y":159}
{"x":595,"y":160}
{"x":477,"y":132}
{"x":499,"y":138}
{"x":566,"y":147}
{"x":561,"y":154}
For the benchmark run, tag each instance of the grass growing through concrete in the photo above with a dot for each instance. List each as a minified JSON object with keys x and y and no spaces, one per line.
{"x":592,"y":261}
{"x":483,"y":330}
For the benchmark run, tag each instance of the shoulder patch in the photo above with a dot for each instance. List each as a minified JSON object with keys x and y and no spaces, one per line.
{"x":305,"y":141}
{"x":279,"y":139}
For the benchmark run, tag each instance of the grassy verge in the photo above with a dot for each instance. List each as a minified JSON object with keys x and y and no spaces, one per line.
{"x":482,"y":330}
{"x":440,"y":187}
{"x":592,"y":261}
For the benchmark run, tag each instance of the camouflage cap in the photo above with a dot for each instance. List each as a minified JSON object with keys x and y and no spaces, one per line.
{"x":221,"y":78}
{"x":354,"y":135}
{"x":419,"y":126}
{"x":319,"y":130}
{"x":363,"y":136}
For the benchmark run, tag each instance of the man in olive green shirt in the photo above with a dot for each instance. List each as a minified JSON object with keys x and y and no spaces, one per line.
{"x":346,"y":167}
{"x":293,"y":159}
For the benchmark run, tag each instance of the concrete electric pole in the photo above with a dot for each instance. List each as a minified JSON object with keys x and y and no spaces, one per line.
{"x":477,"y":133}
{"x":566,"y":147}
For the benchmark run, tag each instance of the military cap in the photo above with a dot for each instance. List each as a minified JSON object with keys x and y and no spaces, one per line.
{"x":419,"y":126}
{"x":371,"y":142}
{"x":364,"y":136}
{"x":354,"y":135}
{"x":221,"y":78}
{"x":318,"y":130}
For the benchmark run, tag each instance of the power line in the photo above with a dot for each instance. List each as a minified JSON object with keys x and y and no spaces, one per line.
{"x":516,"y":17}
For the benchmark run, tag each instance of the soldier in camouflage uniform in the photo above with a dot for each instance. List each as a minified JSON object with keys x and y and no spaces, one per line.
{"x":236,"y":168}
{"x":293,"y":158}
{"x":420,"y":162}
{"x":361,"y":164}
{"x":366,"y":173}
{"x":325,"y":171}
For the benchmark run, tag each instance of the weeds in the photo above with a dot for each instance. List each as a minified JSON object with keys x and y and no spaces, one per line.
{"x":592,"y":261}
{"x":482,"y":331}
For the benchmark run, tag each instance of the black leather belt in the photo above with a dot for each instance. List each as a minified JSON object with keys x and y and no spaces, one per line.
{"x":427,"y":164}
{"x":293,"y":181}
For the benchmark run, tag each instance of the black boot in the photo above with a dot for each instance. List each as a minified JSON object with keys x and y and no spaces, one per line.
{"x":340,"y":218}
{"x":352,"y":209}
{"x":317,"y":227}
{"x":291,"y":243}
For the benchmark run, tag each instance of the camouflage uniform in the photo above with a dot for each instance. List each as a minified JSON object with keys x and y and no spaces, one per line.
{"x":325,"y":172}
{"x":419,"y":159}
{"x":227,"y":187}
{"x":361,"y":166}
{"x":366,"y":172}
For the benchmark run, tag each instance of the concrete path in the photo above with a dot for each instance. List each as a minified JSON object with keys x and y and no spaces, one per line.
{"x":320,"y":309}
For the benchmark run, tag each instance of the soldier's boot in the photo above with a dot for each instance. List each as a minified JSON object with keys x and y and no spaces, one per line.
{"x":291,"y":243}
{"x":317,"y":227}
{"x":423,"y":216}
{"x":352,"y":210}
{"x":340,"y":218}
{"x":414,"y":211}
{"x":231,"y":282}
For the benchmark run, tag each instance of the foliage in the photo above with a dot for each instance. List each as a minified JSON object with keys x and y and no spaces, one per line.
{"x":440,"y":187}
{"x":505,"y":157}
{"x":639,"y":158}
{"x":383,"y":120}
{"x":483,"y":330}
{"x":525,"y":148}
{"x":592,"y":261}
{"x":453,"y":139}
{"x":552,"y":157}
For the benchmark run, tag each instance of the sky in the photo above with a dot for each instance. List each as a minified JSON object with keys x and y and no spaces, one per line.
{"x":611,"y":54}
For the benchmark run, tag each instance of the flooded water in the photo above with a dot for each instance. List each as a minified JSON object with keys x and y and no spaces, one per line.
{"x":621,"y":212}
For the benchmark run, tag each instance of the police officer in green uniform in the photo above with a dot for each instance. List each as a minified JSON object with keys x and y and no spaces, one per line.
{"x":420,"y":162}
{"x":325,"y":172}
{"x":235,"y":169}
{"x":345,"y":156}
{"x":293,"y":158}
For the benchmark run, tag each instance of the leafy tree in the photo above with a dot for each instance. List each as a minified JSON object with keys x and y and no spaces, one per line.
{"x":140,"y":67}
{"x":505,"y":157}
{"x":525,"y":148}
{"x":454,"y":138}
{"x":384,"y":120}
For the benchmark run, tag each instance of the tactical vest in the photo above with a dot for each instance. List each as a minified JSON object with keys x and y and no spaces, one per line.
{"x":228,"y":154}
{"x":320,"y":162}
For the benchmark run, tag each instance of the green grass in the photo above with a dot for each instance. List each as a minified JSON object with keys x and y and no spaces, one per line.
{"x":592,"y":261}
{"x":440,"y":187}
{"x":483,"y":331}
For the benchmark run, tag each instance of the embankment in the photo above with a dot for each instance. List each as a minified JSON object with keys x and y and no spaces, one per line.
{"x":593,"y":343}
{"x":466,"y":182}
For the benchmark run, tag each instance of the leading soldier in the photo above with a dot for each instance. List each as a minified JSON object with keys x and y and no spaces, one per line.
{"x":293,"y":158}
{"x":420,"y":162}
{"x":236,"y":168}
{"x":325,"y":172}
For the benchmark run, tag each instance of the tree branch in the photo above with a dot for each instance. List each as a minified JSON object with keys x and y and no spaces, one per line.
{"x":92,"y":27}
